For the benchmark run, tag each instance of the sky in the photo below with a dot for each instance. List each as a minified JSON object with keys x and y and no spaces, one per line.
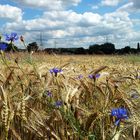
{"x":72,"y":23}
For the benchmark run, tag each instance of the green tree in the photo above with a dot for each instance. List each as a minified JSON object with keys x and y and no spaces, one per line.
{"x":11,"y":47}
{"x":0,"y":38}
{"x":94,"y":49}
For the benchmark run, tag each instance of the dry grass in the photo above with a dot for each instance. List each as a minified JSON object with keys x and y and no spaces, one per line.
{"x":29,"y":113}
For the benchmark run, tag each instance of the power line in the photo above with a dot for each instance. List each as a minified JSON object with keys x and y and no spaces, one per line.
{"x":41,"y":39}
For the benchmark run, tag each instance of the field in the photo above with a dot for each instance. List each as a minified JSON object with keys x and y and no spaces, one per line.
{"x":67,"y":97}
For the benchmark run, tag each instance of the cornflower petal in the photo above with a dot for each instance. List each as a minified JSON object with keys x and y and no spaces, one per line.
{"x":58,"y":103}
{"x":92,"y":76}
{"x":117,"y":122}
{"x":3,"y":46}
{"x":119,"y":113}
{"x":11,"y":37}
{"x":49,"y":94}
{"x":97,"y":75}
{"x":55,"y":71}
{"x":79,"y":76}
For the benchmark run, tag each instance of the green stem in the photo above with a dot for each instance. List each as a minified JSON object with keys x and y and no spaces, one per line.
{"x":12,"y":45}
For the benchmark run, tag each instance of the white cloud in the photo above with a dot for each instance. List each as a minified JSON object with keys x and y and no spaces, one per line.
{"x":10,"y":12}
{"x":58,"y":20}
{"x":70,"y":24}
{"x":48,"y":4}
{"x":132,"y":6}
{"x":126,"y":7}
{"x":136,"y":22}
{"x":136,"y":3}
{"x":61,"y":24}
{"x":110,"y":2}
{"x":118,"y":20}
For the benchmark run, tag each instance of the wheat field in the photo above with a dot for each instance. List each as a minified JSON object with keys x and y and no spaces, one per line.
{"x":72,"y":103}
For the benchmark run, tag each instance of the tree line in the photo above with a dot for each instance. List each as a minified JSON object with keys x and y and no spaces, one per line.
{"x":105,"y":48}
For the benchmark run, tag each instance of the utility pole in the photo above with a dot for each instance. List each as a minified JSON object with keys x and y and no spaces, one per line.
{"x":106,"y":39}
{"x":55,"y":44}
{"x":129,"y":43}
{"x":41,"y":39}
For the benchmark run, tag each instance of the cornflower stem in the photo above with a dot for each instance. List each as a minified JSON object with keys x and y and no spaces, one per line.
{"x":24,"y":45}
{"x":12,"y":45}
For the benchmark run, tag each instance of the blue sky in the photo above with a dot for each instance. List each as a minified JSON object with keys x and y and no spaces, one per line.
{"x":72,"y":23}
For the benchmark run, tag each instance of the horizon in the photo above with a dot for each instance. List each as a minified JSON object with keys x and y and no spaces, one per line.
{"x":75,"y":23}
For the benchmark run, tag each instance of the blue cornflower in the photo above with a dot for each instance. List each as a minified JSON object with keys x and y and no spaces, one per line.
{"x":49,"y":94}
{"x":55,"y":71}
{"x":12,"y":37}
{"x":120,"y":114}
{"x":58,"y":103}
{"x":79,"y":76}
{"x":134,"y":96}
{"x":92,"y":76}
{"x":3,"y":46}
